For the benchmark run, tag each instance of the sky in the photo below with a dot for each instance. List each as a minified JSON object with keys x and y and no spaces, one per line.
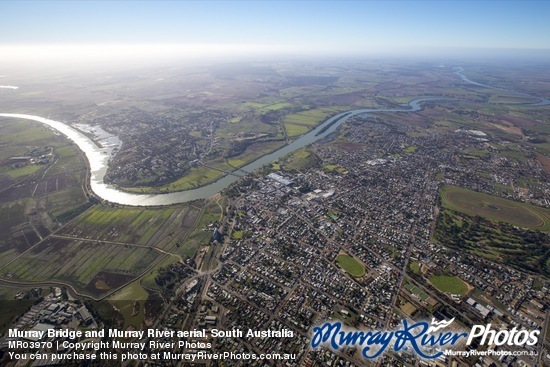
{"x":326,"y":27}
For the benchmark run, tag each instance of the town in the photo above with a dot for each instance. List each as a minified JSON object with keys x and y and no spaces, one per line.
{"x":436,"y":215}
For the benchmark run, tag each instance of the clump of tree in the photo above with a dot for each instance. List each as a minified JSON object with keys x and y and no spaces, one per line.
{"x":522,"y":248}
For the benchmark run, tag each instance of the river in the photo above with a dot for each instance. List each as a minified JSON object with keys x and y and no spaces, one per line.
{"x":541,"y":101}
{"x":98,"y":156}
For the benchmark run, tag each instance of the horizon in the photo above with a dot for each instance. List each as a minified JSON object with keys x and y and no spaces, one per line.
{"x":91,"y":31}
{"x":50,"y":57}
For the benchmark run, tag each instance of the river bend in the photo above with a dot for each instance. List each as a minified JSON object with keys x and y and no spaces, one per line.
{"x":98,"y":157}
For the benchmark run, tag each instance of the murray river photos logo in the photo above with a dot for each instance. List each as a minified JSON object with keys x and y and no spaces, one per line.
{"x":426,"y":340}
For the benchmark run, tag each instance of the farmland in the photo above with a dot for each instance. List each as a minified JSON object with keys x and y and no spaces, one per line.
{"x":90,"y":267}
{"x":301,"y":122}
{"x":42,"y":179}
{"x":53,"y":234}
{"x":105,"y":248}
{"x":134,"y":226}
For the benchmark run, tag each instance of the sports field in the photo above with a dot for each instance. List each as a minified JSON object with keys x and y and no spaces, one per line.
{"x":449,"y":284}
{"x":495,"y":208}
{"x":417,"y":291}
{"x":350,"y":265}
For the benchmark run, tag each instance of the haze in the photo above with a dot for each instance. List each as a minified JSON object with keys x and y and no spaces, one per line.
{"x":60,"y":32}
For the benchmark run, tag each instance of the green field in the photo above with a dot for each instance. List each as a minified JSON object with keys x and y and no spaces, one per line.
{"x":522,"y":248}
{"x":19,"y":132}
{"x":13,"y":308}
{"x":300,"y":160}
{"x":515,"y":155}
{"x":295,"y":130}
{"x":91,"y":268}
{"x":196,"y":177}
{"x":129,"y":225}
{"x":511,"y":99}
{"x":254,"y":151}
{"x":198,"y":235}
{"x":23,"y":171}
{"x":264,"y":107}
{"x":301,"y":122}
{"x":408,"y":308}
{"x":66,"y":151}
{"x":237,"y":235}
{"x":46,"y":194}
{"x":449,"y":284}
{"x":417,"y":291}
{"x":128,"y":300}
{"x":114,"y":246}
{"x":415,"y":267}
{"x":308,"y":118}
{"x":201,"y":175}
{"x":495,"y":208}
{"x":350,"y":265}
{"x":335,"y":167}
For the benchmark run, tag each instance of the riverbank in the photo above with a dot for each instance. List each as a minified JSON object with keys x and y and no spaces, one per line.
{"x":98,"y":155}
